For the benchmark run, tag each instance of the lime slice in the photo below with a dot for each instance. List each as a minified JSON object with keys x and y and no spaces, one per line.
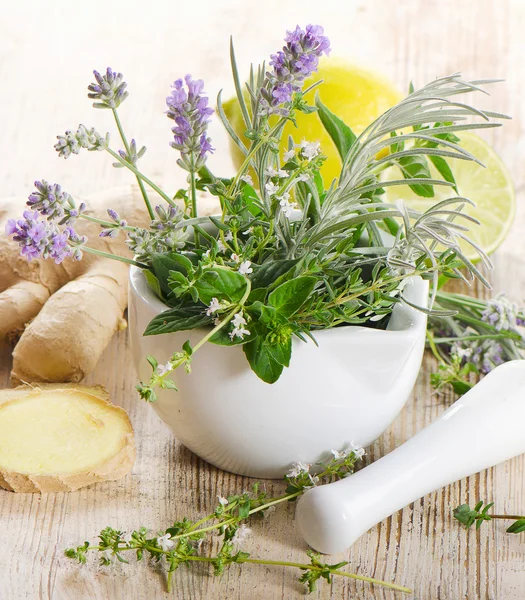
{"x":490,"y":188}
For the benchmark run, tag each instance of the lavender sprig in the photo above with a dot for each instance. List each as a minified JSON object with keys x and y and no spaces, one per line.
{"x":54,"y":203}
{"x":188,"y":107}
{"x":41,"y":239}
{"x":109,"y":89}
{"x":298,"y":59}
{"x":74,"y":141}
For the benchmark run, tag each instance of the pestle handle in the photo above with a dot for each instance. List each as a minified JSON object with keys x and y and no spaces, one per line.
{"x":483,"y":428}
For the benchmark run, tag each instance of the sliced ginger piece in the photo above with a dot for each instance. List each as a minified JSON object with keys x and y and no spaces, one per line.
{"x":60,"y":437}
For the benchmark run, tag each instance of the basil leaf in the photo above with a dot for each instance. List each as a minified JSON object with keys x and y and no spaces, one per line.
{"x":177,"y":319}
{"x":153,"y":283}
{"x":342,"y":136}
{"x":262,"y":360}
{"x":288,"y":298}
{"x":162,"y":264}
{"x":221,"y":283}
{"x":268,"y":272}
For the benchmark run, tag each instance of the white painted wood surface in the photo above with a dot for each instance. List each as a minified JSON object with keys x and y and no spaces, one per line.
{"x":47,"y":52}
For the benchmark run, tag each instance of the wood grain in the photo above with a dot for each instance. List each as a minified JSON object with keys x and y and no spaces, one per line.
{"x":47,"y":51}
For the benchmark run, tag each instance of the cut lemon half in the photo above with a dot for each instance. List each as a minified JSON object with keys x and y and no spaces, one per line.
{"x":489,"y":187}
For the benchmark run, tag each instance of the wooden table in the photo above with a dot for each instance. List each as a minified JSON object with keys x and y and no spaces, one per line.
{"x":47,"y":51}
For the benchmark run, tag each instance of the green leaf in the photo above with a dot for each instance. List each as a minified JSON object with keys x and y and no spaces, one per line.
{"x":251,"y":200}
{"x":416,"y":167}
{"x":177,"y":319}
{"x":291,"y":295}
{"x":270,"y":271}
{"x":162,"y":264}
{"x":262,"y":360}
{"x":517,"y":527}
{"x":153,"y":283}
{"x":342,"y":136}
{"x":445,"y":171}
{"x":221,"y":283}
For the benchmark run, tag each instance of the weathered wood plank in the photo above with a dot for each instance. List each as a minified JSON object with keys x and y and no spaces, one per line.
{"x":46,"y":53}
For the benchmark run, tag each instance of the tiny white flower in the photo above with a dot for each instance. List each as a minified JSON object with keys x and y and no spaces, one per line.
{"x":303,"y":177}
{"x":286,"y":208}
{"x":238,"y":320}
{"x":242,"y":534}
{"x":248,"y":231}
{"x":358,"y":450}
{"x":245,"y":268}
{"x":207,"y":253}
{"x":229,"y":236}
{"x":298,"y":468}
{"x":239,"y":332}
{"x":284,"y":196}
{"x":314,"y":479}
{"x":165,"y":542}
{"x":222,"y":501}
{"x":338,"y":455}
{"x":281,"y":173}
{"x":216,"y":321}
{"x":463,"y":352}
{"x":235,"y":257}
{"x":127,"y":537}
{"x":271,"y":172}
{"x":271,"y":188}
{"x":310,"y":149}
{"x":107,"y":554}
{"x":289,"y":155}
{"x":247,"y":179}
{"x":164,"y":369}
{"x":220,"y":246}
{"x":213,"y":307}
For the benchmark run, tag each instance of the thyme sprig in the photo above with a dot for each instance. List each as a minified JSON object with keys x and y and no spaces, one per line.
{"x":480,"y":513}
{"x":181,"y":543}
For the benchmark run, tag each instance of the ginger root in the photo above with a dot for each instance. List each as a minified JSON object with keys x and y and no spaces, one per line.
{"x":63,"y":316}
{"x":57,"y":438}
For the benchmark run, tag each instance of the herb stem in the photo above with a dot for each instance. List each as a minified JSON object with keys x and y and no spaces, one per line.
{"x":141,"y":176}
{"x":129,"y":261}
{"x":126,"y":146}
{"x":193,"y":196}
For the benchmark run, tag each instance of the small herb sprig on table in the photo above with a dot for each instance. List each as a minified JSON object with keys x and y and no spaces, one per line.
{"x":480,"y":513}
{"x":181,"y":543}
{"x":481,"y":335}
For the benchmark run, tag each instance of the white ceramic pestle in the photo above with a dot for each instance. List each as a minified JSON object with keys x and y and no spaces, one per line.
{"x":483,"y":428}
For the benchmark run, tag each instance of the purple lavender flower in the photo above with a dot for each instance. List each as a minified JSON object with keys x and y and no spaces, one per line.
{"x":501,"y":313}
{"x":54,"y":203}
{"x":190,"y":111}
{"x":113,"y":230}
{"x":72,"y":142}
{"x":298,"y":59}
{"x":44,"y":239}
{"x":131,"y":157}
{"x":110,"y":89}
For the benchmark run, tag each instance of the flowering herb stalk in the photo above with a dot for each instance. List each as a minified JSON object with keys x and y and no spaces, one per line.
{"x":182,"y":543}
{"x":481,"y":335}
{"x":288,"y":253}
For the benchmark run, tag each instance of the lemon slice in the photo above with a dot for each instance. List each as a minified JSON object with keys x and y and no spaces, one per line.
{"x":490,"y":188}
{"x":355,"y":95}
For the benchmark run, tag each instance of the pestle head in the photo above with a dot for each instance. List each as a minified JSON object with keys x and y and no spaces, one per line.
{"x":325,"y":522}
